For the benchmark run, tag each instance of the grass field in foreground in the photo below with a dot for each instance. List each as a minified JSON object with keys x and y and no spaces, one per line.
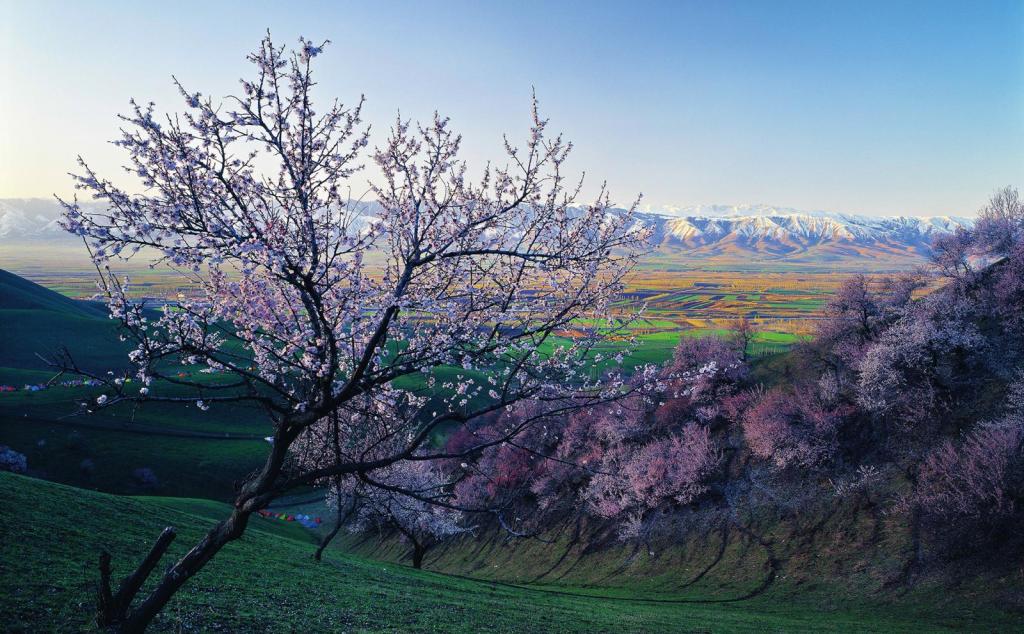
{"x":267,"y":582}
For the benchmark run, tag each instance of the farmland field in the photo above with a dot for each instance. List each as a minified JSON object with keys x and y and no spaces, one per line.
{"x":782,"y":305}
{"x":103,"y":450}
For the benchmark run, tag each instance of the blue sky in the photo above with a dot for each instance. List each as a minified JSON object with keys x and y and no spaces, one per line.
{"x":878,"y":108}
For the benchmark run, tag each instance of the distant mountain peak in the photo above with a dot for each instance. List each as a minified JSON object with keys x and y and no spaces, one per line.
{"x":729,"y":211}
{"x":745,"y":233}
{"x":724,"y":233}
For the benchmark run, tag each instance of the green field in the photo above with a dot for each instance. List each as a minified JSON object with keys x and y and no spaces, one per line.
{"x":267,"y":582}
{"x":677,"y":302}
{"x":102,"y":450}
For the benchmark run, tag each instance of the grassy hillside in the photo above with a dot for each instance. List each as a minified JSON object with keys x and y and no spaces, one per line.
{"x":836,"y":571}
{"x":17,"y":292}
{"x":38,"y":321}
{"x":191,"y":452}
{"x":847,"y":560}
{"x":102,"y":451}
{"x":107,"y":459}
{"x":267,"y":582}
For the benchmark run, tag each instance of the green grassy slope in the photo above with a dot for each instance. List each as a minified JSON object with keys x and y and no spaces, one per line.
{"x":192,"y":453}
{"x":267,"y":582}
{"x":101,"y":451}
{"x":106,"y":460}
{"x":18,"y":293}
{"x":840,"y":591}
{"x":38,"y":321}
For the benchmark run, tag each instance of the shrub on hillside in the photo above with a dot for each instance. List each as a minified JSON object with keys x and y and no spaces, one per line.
{"x":794,"y":429}
{"x":145,"y":478}
{"x":980,"y":477}
{"x":918,"y":364}
{"x":629,"y":461}
{"x":11,"y":460}
{"x":670,"y":470}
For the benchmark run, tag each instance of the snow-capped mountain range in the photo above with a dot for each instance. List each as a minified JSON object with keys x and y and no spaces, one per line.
{"x":772,"y":232}
{"x":747,"y":232}
{"x":29,"y":219}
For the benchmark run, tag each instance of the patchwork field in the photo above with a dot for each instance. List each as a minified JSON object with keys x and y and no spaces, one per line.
{"x":783,"y":306}
{"x":103,"y":451}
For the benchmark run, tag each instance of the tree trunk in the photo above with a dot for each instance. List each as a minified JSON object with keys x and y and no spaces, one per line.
{"x":106,"y":611}
{"x":326,"y":540}
{"x":418,"y":550}
{"x":137,"y":619}
{"x":338,"y":521}
{"x":127,"y":620}
{"x":113,"y":609}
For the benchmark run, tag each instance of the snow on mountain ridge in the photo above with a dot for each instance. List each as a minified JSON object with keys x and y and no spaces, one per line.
{"x":754,"y":231}
{"x":710,"y":222}
{"x":741,"y":212}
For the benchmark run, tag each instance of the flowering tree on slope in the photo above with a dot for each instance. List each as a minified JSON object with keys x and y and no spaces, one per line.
{"x":629,"y":463}
{"x":248,"y":200}
{"x":419,"y":519}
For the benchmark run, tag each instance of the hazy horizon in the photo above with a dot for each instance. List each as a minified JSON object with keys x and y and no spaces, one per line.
{"x":711,"y":210}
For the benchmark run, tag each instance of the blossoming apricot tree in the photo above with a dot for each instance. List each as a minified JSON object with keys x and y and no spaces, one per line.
{"x":315,"y":303}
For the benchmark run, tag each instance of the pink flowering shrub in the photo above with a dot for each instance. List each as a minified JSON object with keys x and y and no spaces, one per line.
{"x":918,"y":362}
{"x":1008,"y":292}
{"x":978,"y":477}
{"x":702,"y":373}
{"x":670,"y":470}
{"x":999,"y":230}
{"x":859,"y":312}
{"x":793,"y":429}
{"x":651,"y":449}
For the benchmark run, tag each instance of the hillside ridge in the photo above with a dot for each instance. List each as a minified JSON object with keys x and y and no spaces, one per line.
{"x":16,"y":292}
{"x":349,"y":592}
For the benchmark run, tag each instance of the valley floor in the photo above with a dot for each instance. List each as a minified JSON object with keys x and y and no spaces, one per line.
{"x":51,"y":534}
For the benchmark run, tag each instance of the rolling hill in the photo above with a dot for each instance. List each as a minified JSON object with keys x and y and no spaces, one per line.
{"x":38,"y":322}
{"x":190,"y":451}
{"x":17,"y":293}
{"x":267,"y":581}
